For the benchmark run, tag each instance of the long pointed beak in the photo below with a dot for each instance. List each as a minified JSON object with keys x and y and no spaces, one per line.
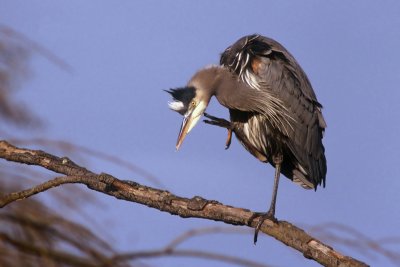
{"x":183,"y":131}
{"x":190,"y":119}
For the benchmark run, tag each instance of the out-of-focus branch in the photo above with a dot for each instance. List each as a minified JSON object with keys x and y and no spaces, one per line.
{"x":350,"y":237}
{"x":68,"y":147}
{"x":187,"y":253}
{"x":15,"y":52}
{"x":59,"y":256}
{"x":205,"y":231}
{"x":34,"y":46}
{"x":171,"y":250}
{"x":31,"y":234}
{"x":198,"y":207}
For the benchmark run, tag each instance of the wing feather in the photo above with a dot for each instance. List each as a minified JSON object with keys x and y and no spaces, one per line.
{"x":278,"y":73}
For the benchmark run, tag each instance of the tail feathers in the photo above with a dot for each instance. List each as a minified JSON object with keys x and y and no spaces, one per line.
{"x":301,"y":180}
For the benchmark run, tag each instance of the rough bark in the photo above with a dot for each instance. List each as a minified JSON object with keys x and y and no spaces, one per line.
{"x":162,"y":200}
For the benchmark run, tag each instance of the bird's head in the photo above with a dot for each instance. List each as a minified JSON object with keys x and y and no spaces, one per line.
{"x":191,"y":102}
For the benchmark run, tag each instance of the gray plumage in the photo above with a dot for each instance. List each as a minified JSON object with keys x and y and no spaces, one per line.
{"x":274,"y":112}
{"x":265,"y":65}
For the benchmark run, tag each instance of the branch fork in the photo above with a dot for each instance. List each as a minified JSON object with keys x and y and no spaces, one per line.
{"x":162,"y":200}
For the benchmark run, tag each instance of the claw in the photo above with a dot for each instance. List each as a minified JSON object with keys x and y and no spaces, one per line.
{"x":266,"y":216}
{"x":212,"y":122}
{"x":271,"y":212}
{"x":228,"y":139}
{"x":221,"y":123}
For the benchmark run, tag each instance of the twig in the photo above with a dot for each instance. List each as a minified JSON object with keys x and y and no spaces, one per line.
{"x":356,"y":240}
{"x":53,"y":254}
{"x":35,"y":47}
{"x":6,"y":199}
{"x":187,"y":253}
{"x":197,"y":207}
{"x":204,"y":231}
{"x":70,"y":147}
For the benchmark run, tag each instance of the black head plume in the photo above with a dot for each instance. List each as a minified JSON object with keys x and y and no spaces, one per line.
{"x":181,"y":98}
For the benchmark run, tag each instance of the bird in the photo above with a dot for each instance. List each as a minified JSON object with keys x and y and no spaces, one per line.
{"x":274,"y":112}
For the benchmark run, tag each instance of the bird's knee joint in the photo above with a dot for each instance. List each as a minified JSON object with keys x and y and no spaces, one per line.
{"x":278,"y":159}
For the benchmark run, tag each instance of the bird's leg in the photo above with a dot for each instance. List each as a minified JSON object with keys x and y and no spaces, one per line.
{"x":277,"y":159}
{"x":217,"y":121}
{"x":221,"y":123}
{"x":278,"y":163}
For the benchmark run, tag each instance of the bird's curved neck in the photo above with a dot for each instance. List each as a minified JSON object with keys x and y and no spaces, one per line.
{"x":235,"y":94}
{"x":231,"y":92}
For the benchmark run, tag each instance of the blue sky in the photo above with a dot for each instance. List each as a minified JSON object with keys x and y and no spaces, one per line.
{"x":123,"y":54}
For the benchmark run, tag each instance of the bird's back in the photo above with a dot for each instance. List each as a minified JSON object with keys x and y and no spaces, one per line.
{"x":266,"y":65}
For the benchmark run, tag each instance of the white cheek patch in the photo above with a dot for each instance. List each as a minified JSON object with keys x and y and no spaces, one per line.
{"x":176,"y":105}
{"x":199,"y":110}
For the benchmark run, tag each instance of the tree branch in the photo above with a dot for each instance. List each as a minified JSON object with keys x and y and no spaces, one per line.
{"x":7,"y":199}
{"x":171,"y":249}
{"x":187,"y":253}
{"x":197,"y":207}
{"x":53,"y":254}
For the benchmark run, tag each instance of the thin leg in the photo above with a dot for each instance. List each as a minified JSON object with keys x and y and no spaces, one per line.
{"x":217,"y":121}
{"x":271,"y":212}
{"x":221,"y":123}
{"x":278,"y":163}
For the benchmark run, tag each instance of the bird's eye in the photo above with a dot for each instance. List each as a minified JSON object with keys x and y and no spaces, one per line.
{"x":193,"y":103}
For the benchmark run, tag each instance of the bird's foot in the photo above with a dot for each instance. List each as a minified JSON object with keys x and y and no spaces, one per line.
{"x":221,"y":123}
{"x":270,"y":215}
{"x":228,"y":139}
{"x":217,"y":121}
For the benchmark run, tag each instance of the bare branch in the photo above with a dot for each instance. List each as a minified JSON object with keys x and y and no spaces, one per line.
{"x":356,"y":240}
{"x":45,"y":252}
{"x":4,"y":200}
{"x":187,"y":253}
{"x":197,"y":207}
{"x":171,"y":248}
{"x":204,"y":231}
{"x":35,"y":47}
{"x":69,"y":147}
{"x":31,"y":234}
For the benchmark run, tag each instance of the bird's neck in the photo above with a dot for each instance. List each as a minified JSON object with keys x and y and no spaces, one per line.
{"x":231,"y":92}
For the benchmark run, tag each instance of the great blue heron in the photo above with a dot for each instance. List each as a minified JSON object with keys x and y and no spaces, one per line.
{"x":274,"y":112}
